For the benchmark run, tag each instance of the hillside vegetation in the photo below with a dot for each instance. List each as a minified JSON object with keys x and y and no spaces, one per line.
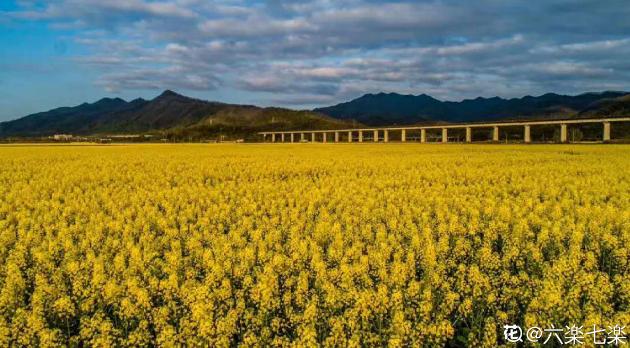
{"x":169,"y":115}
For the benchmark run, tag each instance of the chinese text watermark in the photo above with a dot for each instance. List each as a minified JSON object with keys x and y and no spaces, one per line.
{"x":570,"y":335}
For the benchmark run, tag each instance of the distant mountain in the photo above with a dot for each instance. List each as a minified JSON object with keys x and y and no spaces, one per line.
{"x":619,"y":106}
{"x":169,"y":114}
{"x":176,"y":116}
{"x":389,"y":108}
{"x":392,"y":108}
{"x":78,"y":119}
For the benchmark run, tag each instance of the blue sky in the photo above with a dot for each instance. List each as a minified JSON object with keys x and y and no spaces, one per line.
{"x":302,"y":53}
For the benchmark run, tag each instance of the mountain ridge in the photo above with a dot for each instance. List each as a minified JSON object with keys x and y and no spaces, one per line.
{"x":169,"y":114}
{"x":176,"y":115}
{"x":392,"y":108}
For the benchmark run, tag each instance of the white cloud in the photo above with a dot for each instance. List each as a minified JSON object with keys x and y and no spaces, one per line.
{"x":314,"y":51}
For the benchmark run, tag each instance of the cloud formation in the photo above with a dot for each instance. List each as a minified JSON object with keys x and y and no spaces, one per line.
{"x":307,"y":53}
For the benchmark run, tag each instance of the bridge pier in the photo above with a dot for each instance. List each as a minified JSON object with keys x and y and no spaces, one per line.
{"x":563,"y":133}
{"x":444,"y":135}
{"x":324,"y":137}
{"x":292,"y":138}
{"x":423,"y":135}
{"x":273,"y":137}
{"x":495,"y":133}
{"x":360,"y":136}
{"x":301,"y":137}
{"x":468,"y":135}
{"x":385,"y":135}
{"x":336,"y":137}
{"x":403,"y":135}
{"x":312,"y":137}
{"x":349,"y":136}
{"x":606,"y":135}
{"x":376,"y":136}
{"x":527,"y":137}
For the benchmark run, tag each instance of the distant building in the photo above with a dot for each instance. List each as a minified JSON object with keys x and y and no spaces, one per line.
{"x":62,"y":137}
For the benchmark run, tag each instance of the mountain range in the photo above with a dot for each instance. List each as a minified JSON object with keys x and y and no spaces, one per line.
{"x":176,"y":116}
{"x":170,"y":114}
{"x":391,"y":108}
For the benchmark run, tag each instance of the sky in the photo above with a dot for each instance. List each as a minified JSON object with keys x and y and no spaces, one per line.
{"x":302,"y":54}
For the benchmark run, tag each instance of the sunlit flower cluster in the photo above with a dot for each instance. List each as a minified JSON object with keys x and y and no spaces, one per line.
{"x":309,"y":245}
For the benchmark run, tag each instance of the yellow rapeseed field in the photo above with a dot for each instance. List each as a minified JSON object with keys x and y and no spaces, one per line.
{"x":309,"y":244}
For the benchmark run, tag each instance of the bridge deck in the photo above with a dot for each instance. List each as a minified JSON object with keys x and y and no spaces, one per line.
{"x":460,"y":125}
{"x":527,"y":135}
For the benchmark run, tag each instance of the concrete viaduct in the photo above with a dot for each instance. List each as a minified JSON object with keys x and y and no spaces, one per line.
{"x":381,"y":134}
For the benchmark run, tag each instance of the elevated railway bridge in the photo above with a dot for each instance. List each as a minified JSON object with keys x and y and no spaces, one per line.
{"x":419,"y":133}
